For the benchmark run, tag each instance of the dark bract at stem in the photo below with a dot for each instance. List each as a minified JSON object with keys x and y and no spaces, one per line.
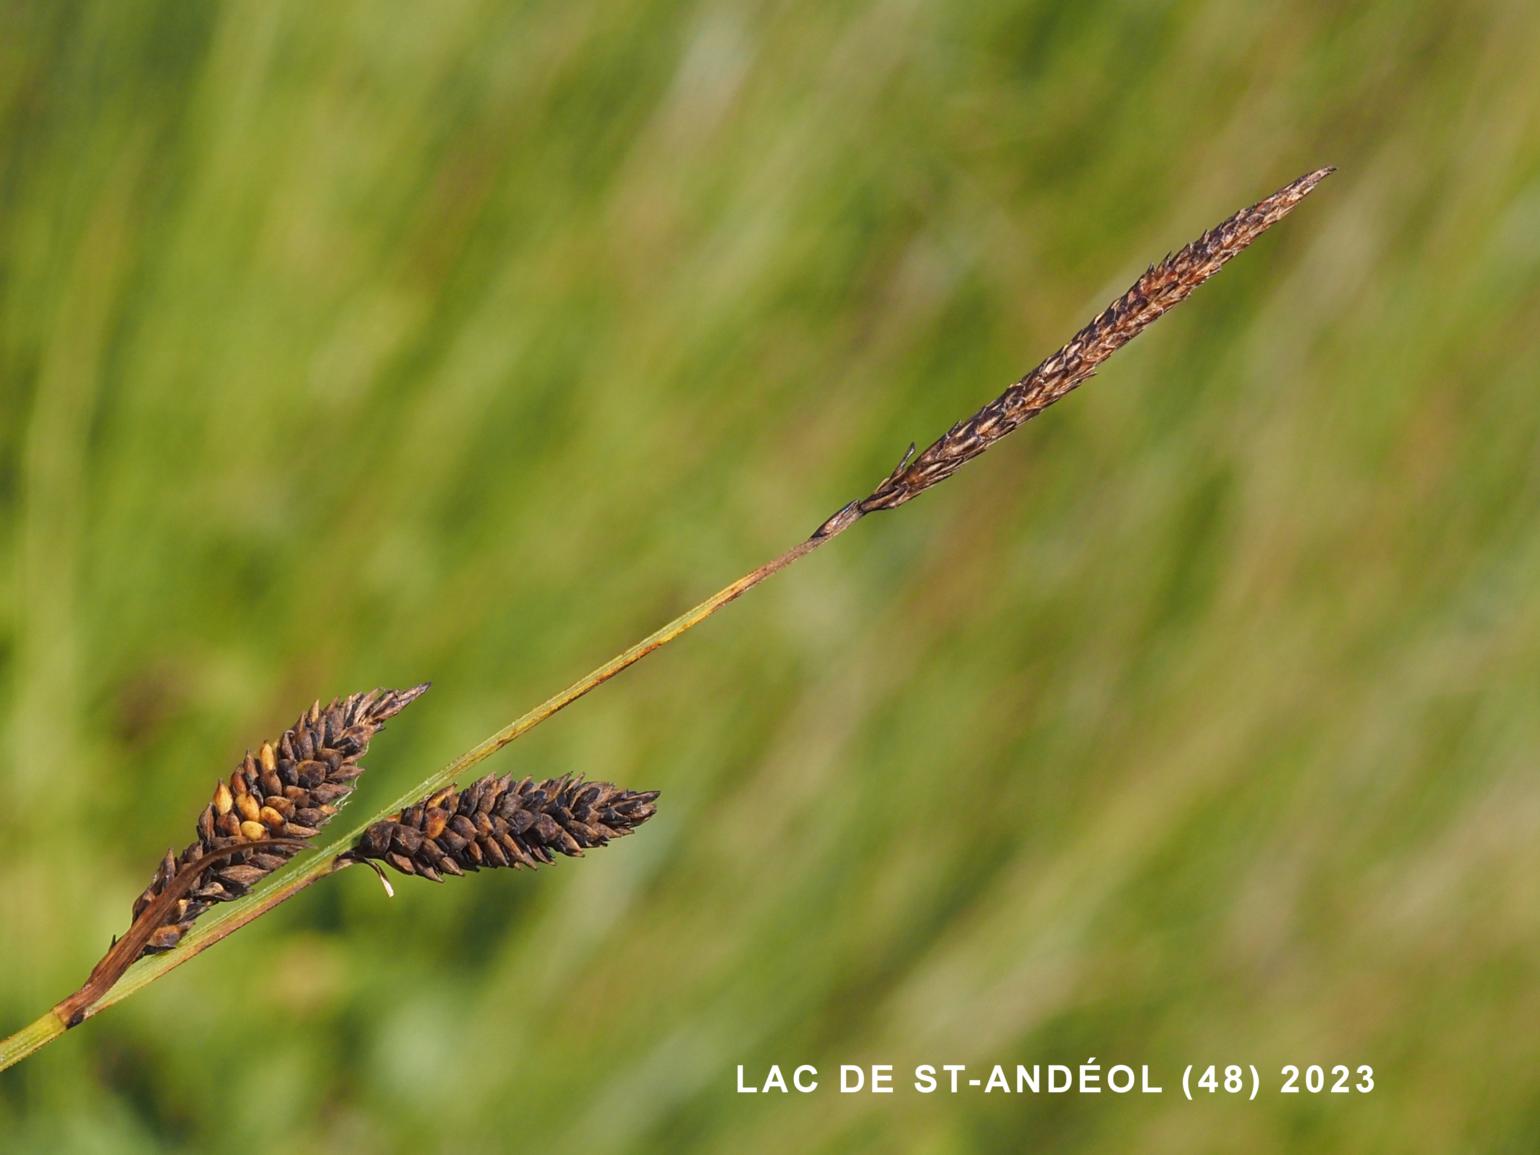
{"x":121,"y":955}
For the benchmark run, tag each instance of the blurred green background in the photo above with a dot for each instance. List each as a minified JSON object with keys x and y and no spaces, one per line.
{"x":348,"y":344}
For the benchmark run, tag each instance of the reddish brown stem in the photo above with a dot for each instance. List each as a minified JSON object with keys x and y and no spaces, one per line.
{"x":75,"y":1009}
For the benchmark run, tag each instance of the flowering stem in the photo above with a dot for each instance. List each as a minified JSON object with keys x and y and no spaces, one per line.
{"x":1163,"y":286}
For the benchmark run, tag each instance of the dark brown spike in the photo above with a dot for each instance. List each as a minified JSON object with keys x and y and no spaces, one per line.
{"x":496,"y":822}
{"x":285,"y":790}
{"x":1162,"y":286}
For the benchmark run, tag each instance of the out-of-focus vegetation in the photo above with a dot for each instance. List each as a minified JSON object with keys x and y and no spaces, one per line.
{"x":351,"y":344}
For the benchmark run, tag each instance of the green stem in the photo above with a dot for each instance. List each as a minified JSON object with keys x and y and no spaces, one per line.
{"x":231,"y":917}
{"x":30,"y":1038}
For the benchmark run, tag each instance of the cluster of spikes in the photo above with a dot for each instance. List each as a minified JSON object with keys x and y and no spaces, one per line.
{"x":281,"y":795}
{"x":497,"y":821}
{"x":277,"y":799}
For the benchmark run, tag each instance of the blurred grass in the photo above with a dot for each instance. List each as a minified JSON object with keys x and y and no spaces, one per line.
{"x":344,"y":345}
